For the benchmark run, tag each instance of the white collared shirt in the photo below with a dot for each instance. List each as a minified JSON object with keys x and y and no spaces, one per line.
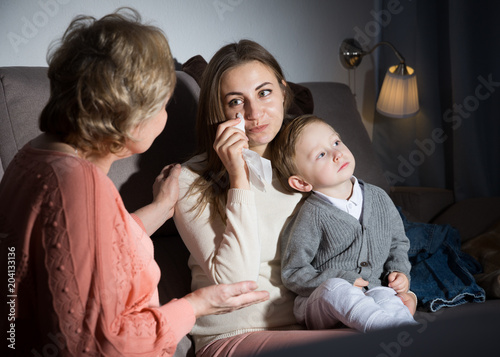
{"x":353,"y":206}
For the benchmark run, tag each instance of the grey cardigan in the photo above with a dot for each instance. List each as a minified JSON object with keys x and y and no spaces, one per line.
{"x":322,"y":242}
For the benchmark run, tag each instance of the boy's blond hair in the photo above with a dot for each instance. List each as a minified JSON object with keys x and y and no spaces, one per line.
{"x":283,"y":153}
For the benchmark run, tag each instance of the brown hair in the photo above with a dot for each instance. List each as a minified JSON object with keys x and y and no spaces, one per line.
{"x":283,"y":151}
{"x":106,"y":77}
{"x":213,"y":183}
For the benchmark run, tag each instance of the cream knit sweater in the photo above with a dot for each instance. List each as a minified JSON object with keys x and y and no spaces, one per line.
{"x":245,"y":247}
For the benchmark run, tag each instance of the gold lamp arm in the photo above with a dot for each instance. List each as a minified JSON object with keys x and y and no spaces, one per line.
{"x":351,"y":53}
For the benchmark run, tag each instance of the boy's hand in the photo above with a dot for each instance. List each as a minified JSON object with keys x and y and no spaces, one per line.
{"x":360,"y":283}
{"x":398,"y":281}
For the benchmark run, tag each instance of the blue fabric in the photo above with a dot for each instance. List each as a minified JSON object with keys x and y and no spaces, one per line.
{"x":441,"y":274}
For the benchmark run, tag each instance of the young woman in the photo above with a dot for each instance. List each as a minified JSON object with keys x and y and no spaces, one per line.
{"x":231,"y":226}
{"x":86,"y":280}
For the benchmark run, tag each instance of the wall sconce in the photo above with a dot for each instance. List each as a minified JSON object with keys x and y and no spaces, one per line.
{"x":398,"y":96}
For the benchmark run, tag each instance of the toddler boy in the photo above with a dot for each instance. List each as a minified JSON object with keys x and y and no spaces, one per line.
{"x":345,"y":252}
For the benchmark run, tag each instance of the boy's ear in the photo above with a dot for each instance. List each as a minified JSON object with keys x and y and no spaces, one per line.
{"x":299,"y":184}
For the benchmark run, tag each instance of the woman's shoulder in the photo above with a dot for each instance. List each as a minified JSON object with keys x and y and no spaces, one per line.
{"x":196,"y":163}
{"x":48,"y":164}
{"x":69,"y":174}
{"x":191,"y":167}
{"x":56,"y":181}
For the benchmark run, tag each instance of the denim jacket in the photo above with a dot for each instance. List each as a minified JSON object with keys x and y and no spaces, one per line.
{"x":441,"y":274}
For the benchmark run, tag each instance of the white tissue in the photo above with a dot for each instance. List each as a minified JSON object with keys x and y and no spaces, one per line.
{"x":241,"y":124}
{"x":259,"y":168}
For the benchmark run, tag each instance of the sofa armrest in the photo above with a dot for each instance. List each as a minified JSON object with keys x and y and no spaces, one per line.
{"x":421,"y":204}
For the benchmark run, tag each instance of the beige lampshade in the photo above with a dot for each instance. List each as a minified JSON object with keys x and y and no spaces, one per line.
{"x":399,"y":96}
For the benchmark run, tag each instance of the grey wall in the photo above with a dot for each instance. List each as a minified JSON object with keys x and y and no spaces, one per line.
{"x":304,"y":35}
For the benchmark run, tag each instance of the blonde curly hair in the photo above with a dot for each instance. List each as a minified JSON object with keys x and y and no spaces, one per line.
{"x":107,"y":76}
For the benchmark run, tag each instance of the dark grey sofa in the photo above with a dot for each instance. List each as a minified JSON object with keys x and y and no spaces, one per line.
{"x":24,"y":91}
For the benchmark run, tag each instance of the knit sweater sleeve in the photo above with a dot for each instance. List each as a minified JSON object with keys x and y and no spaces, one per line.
{"x":300,"y":243}
{"x":227,"y":250}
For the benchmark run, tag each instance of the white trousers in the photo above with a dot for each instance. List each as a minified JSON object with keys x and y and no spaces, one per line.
{"x":337,"y":301}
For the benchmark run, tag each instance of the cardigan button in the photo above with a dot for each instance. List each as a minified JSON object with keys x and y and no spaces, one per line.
{"x":364,"y":264}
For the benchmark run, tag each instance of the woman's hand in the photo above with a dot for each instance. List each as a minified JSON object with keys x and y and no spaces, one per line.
{"x":224,"y":298}
{"x":166,"y":188}
{"x":229,"y":144}
{"x":398,"y":281}
{"x":165,"y":196}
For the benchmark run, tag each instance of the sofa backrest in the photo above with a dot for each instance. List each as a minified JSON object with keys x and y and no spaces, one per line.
{"x":23,"y":93}
{"x":25,"y":90}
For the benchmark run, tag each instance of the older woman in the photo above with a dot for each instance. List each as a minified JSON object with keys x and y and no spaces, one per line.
{"x":85,"y":275}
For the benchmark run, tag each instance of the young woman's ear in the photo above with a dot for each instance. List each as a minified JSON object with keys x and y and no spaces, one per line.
{"x":299,"y":184}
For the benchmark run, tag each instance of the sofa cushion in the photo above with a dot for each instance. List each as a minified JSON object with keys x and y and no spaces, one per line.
{"x":472,"y":216}
{"x":486,"y":249}
{"x":422,"y":204}
{"x":195,"y":66}
{"x":172,"y":257}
